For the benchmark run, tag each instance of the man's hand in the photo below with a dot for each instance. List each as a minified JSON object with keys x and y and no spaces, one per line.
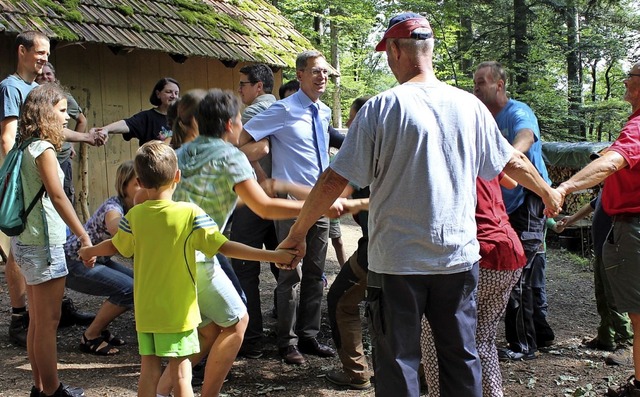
{"x":337,"y":209}
{"x":294,"y":243}
{"x":99,"y":136}
{"x":553,"y":203}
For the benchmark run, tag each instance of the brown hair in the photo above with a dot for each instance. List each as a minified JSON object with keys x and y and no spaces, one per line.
{"x":185,"y":113}
{"x":124,"y":174}
{"x":27,"y":39}
{"x":497,"y":71}
{"x":37,"y":118}
{"x":155,"y":164}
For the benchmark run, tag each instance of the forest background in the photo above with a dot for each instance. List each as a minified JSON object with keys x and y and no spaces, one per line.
{"x":565,"y":58}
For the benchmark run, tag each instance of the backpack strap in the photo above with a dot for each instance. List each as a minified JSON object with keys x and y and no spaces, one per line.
{"x":37,"y":197}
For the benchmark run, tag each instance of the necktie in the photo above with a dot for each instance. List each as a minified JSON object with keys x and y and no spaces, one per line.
{"x":321,"y":146}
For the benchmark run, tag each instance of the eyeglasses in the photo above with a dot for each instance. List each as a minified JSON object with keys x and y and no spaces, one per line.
{"x":319,"y":71}
{"x":630,"y":75}
{"x":243,"y":83}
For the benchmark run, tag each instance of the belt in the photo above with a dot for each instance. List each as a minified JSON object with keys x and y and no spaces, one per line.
{"x":626,"y":217}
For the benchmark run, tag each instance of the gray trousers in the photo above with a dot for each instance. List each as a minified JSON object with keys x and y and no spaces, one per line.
{"x":299,"y":291}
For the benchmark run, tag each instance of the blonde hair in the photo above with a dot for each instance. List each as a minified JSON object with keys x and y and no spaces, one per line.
{"x":38,"y":119}
{"x":155,"y":164}
{"x":124,"y":174}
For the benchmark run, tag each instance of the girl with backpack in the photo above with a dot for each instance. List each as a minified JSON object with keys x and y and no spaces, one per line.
{"x":38,"y":250}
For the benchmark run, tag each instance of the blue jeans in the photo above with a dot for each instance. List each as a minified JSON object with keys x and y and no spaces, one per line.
{"x":108,"y":278}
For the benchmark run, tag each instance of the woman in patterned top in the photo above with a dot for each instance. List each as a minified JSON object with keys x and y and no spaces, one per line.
{"x":107,"y":277}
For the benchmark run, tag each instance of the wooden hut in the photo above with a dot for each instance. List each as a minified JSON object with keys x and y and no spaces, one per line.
{"x":110,"y":53}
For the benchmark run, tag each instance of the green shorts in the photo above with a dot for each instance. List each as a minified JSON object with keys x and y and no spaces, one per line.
{"x":179,"y":344}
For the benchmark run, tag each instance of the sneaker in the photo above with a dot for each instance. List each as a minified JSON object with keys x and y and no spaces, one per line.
{"x":250,"y":350}
{"x":629,"y":389}
{"x":510,"y":355}
{"x":18,"y":329}
{"x":66,"y":391}
{"x":596,"y":344}
{"x":291,"y":355}
{"x":622,"y":357}
{"x":69,"y":315}
{"x":341,"y":379}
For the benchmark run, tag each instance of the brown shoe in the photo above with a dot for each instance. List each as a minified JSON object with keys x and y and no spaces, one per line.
{"x":291,"y":355}
{"x":312,"y":346}
{"x":622,"y":357}
{"x":341,"y":379}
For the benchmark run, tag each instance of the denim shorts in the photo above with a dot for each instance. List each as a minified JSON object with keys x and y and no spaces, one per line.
{"x":218,"y":300}
{"x":33,"y":261}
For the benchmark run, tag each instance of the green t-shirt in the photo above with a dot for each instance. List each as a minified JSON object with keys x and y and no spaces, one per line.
{"x":163,"y":236}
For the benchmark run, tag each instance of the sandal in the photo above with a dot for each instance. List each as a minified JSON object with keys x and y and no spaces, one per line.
{"x":98,"y":346}
{"x":111,"y":339}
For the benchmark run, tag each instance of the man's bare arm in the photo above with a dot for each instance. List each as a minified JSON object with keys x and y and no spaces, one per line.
{"x":595,"y":172}
{"x":8,"y":129}
{"x":520,"y":168}
{"x":523,"y":140}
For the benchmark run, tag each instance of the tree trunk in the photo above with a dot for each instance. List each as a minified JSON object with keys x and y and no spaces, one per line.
{"x":574,"y":89}
{"x":335,"y":62}
{"x":465,"y":39}
{"x":521,"y":45}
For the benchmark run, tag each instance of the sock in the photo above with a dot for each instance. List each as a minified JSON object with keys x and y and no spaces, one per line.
{"x":160,"y":395}
{"x":636,"y":383}
{"x":18,"y":310}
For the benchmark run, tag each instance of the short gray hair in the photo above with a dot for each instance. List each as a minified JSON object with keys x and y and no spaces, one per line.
{"x":303,"y":57}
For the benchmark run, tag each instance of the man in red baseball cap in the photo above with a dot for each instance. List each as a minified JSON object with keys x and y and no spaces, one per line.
{"x":420,"y":145}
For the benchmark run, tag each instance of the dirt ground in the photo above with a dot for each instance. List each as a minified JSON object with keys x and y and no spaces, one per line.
{"x":565,"y":369}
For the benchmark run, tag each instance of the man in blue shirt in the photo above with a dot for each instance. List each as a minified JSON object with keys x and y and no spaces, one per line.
{"x":520,"y":126}
{"x":297,"y":129}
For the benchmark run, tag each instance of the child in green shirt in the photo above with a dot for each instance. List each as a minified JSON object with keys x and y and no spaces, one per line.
{"x":163,"y":236}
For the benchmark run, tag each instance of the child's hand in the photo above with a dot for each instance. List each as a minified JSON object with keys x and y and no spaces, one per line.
{"x":88,"y":260}
{"x":285,"y":258}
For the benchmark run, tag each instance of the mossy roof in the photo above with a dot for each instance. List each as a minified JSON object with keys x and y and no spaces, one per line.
{"x":235,"y":30}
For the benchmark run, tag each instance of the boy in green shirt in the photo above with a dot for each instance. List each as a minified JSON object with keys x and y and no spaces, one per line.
{"x":163,"y":235}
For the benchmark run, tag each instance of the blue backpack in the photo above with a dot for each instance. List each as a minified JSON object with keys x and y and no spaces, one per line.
{"x":13,"y":216}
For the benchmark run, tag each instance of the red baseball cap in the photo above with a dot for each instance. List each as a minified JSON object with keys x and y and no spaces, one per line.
{"x":407,"y":25}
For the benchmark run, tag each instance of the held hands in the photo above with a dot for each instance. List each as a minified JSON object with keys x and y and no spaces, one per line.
{"x":88,"y":260}
{"x":285,"y":256}
{"x":99,"y":136}
{"x":553,"y":203}
{"x":337,"y":209}
{"x":562,"y":224}
{"x":269,"y":186}
{"x":292,"y":245}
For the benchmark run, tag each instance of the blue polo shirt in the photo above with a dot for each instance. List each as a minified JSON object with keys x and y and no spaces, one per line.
{"x":289,"y":125}
{"x":514,"y":117}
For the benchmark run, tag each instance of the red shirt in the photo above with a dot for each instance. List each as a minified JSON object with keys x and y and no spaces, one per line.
{"x":500,"y":247}
{"x":621,"y":192}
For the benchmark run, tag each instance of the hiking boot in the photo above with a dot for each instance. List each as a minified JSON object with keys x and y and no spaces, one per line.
{"x":35,"y":392}
{"x":510,"y":355}
{"x":291,"y":355}
{"x":596,"y":344}
{"x":341,"y":379}
{"x":622,"y":357}
{"x":18,"y":329}
{"x":69,"y":315}
{"x":629,"y":389}
{"x":66,"y":391}
{"x":250,"y":349}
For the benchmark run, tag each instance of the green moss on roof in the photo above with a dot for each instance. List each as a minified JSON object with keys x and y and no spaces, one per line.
{"x":125,"y":9}
{"x":68,"y":9}
{"x":64,"y":33}
{"x":196,"y":12}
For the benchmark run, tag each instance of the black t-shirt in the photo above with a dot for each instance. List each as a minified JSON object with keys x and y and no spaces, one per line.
{"x":147,"y":125}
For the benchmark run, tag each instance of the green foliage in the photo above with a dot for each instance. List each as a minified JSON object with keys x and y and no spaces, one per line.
{"x":468,"y":33}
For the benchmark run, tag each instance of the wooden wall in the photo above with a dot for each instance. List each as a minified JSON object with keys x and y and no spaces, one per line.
{"x":112,"y":87}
